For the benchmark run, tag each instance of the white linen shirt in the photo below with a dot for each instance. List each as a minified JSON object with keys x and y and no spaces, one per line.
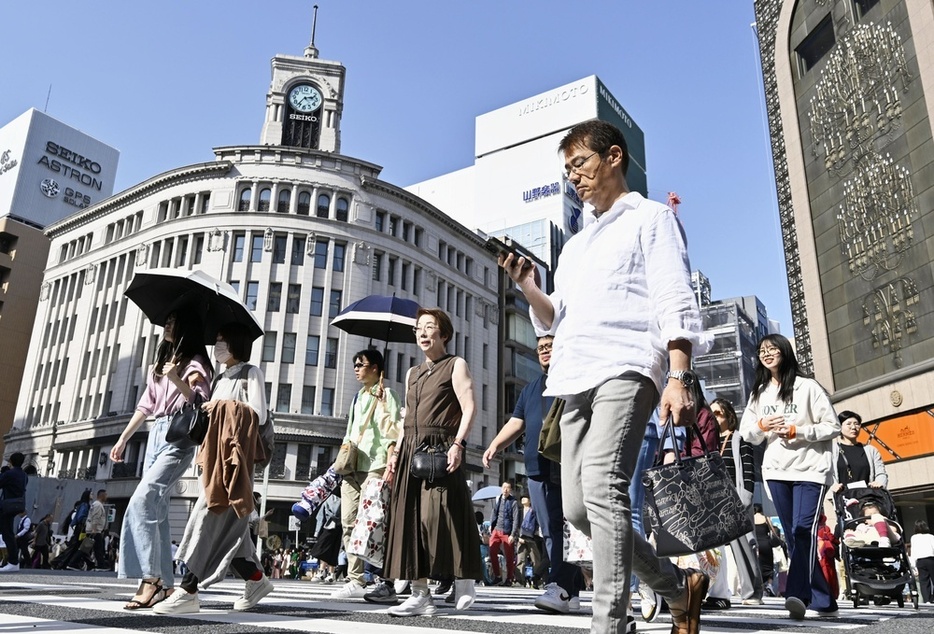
{"x":622,"y":293}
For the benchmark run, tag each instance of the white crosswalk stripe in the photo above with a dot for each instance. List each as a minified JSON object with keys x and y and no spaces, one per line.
{"x":83,"y":604}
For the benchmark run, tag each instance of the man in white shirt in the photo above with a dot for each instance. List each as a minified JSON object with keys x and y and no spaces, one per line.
{"x":622,"y":313}
{"x":94,"y":527}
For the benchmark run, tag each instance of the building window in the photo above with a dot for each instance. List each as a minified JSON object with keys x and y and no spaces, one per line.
{"x":816,"y":44}
{"x":486,"y":355}
{"x":863,"y":6}
{"x":317,"y":301}
{"x":380,"y":221}
{"x":327,"y":401}
{"x":335,"y":305}
{"x":197,"y":250}
{"x":278,"y":249}
{"x":265,"y":194}
{"x":324,"y":206}
{"x":285,"y":198}
{"x":269,"y":346}
{"x":341,"y":211}
{"x":391,"y":271}
{"x":252,"y":292}
{"x":256,"y":248}
{"x":400,"y":367}
{"x":417,"y":237}
{"x":244,"y":204}
{"x":304,"y":204}
{"x":406,"y":230}
{"x":288,"y":347}
{"x":275,"y":297}
{"x":308,"y":399}
{"x":339,"y":251}
{"x":393,"y":226}
{"x":239,"y":244}
{"x":330,"y":353}
{"x":321,"y":253}
{"x":377,"y":265}
{"x":283,"y":397}
{"x":294,"y":298}
{"x":298,"y":249}
{"x":311,"y":350}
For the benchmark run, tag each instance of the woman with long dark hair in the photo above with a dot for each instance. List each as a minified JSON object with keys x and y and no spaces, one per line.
{"x":181,"y":373}
{"x":793,"y":415}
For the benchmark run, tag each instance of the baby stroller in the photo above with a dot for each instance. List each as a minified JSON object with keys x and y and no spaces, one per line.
{"x":876,"y":571}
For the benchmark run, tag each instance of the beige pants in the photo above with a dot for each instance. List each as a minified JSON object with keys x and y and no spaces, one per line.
{"x":351,"y":487}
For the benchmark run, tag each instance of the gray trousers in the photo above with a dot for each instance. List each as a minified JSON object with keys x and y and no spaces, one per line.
{"x":747,"y":567}
{"x":601,"y":437}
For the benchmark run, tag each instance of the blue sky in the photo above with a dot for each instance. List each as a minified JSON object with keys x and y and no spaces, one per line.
{"x":164,"y":82}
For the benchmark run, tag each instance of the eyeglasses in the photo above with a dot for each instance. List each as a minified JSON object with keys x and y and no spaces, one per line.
{"x":357,"y":366}
{"x":575,"y":167}
{"x":430,"y":328}
{"x":545,"y":347}
{"x":769,"y":352}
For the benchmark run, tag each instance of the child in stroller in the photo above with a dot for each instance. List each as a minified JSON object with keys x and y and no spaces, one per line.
{"x":874,"y":555}
{"x":874,"y":530}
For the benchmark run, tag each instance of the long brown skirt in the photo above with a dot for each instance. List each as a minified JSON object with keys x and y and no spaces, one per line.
{"x":432,"y":527}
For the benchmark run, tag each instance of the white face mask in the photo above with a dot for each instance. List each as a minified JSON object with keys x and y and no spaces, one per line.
{"x":221,"y":353}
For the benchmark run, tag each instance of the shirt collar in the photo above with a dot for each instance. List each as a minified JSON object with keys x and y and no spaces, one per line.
{"x":629,"y":201}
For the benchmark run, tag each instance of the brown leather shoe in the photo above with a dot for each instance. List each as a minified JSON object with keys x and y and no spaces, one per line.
{"x":686,"y":611}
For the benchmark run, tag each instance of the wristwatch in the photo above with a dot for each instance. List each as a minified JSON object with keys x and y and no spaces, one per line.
{"x":686,"y":377}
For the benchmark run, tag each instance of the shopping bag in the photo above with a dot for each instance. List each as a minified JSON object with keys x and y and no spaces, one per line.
{"x":694,"y":500}
{"x":319,"y":489}
{"x":369,"y":529}
{"x":577,"y":546}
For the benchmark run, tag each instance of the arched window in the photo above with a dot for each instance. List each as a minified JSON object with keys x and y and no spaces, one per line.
{"x":264,"y":196}
{"x":245,"y":196}
{"x":304,"y":203}
{"x":324,"y":206}
{"x":285,"y":197}
{"x":341,"y":211}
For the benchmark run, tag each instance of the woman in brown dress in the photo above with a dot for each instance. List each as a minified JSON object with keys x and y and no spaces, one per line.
{"x":432,"y":528}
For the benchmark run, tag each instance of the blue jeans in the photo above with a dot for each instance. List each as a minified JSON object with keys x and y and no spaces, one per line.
{"x":798,"y":505}
{"x":637,"y":492}
{"x":546,"y":500}
{"x":601,"y":437}
{"x":146,"y":537}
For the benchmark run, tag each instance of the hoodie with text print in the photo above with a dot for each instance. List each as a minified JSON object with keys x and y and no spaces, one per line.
{"x":808,"y":456}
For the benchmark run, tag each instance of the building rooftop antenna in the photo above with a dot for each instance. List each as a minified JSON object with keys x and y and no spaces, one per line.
{"x":311,"y":50}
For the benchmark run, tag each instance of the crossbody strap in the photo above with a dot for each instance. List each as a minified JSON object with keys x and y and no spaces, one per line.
{"x":368,"y":419}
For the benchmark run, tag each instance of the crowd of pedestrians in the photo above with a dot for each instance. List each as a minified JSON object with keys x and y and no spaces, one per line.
{"x":615,"y":340}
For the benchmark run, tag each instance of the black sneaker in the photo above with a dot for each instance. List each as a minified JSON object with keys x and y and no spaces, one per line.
{"x":383,"y":593}
{"x":443,"y":587}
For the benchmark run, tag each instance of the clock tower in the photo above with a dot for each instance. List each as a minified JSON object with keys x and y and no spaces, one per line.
{"x":305,"y":102}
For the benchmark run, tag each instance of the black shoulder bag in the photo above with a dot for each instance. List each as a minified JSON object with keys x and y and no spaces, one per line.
{"x":429,"y":462}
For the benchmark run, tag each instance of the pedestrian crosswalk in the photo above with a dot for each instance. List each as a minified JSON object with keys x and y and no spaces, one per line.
{"x":87,"y":603}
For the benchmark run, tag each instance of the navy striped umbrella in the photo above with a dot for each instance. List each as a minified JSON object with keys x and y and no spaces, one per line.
{"x":384,"y":317}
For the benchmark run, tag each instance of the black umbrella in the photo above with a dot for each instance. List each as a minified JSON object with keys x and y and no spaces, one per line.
{"x":384,"y":317}
{"x":159,"y":292}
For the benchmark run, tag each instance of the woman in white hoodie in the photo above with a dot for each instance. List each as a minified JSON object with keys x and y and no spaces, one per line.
{"x":792,"y":414}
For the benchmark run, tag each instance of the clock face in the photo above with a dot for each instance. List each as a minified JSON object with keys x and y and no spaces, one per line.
{"x":305,"y":98}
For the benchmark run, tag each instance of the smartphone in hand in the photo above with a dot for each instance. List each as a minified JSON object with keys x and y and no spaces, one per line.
{"x":498,"y":247}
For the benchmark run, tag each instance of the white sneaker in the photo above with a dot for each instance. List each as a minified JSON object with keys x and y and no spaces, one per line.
{"x":400,"y":586}
{"x":350,"y":590}
{"x":465,"y":592}
{"x":796,"y":608}
{"x":555,"y":599}
{"x":10,"y":568}
{"x":648,"y":603}
{"x":179,"y":602}
{"x":252,"y":593}
{"x":419,"y":604}
{"x":574,"y":604}
{"x":821,"y":614}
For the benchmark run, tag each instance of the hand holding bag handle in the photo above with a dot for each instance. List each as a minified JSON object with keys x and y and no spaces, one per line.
{"x":694,"y":499}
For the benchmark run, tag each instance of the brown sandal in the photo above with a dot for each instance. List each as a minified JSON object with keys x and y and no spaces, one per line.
{"x":157,"y":596}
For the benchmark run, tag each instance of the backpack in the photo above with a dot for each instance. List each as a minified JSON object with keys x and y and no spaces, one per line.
{"x":267,"y":431}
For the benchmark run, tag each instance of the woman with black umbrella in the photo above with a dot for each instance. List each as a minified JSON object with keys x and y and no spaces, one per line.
{"x":180,"y":374}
